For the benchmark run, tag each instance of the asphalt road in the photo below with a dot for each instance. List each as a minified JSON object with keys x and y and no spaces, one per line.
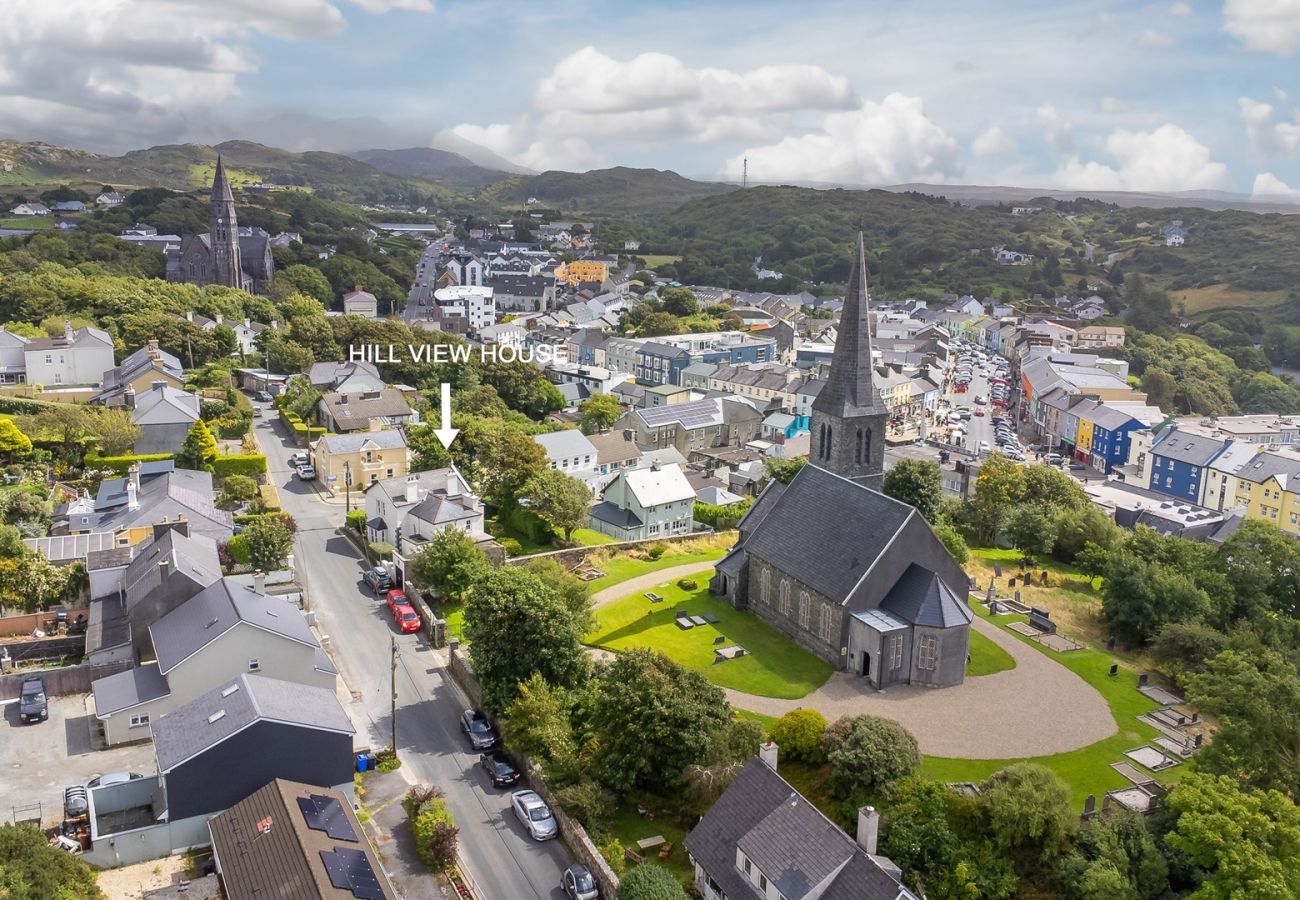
{"x":978,"y":428}
{"x":502,"y":860}
{"x":414,"y":312}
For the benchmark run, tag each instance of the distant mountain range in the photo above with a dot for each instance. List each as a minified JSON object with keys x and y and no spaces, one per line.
{"x":442,"y":166}
{"x":619,"y":191}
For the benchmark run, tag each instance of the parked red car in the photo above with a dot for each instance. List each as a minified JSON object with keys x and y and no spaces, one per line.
{"x":407,"y":621}
{"x":395,"y":599}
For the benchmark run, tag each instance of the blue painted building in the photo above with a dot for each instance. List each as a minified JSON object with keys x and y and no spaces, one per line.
{"x":1111,"y":434}
{"x":1180,"y":461}
{"x":661,"y":360}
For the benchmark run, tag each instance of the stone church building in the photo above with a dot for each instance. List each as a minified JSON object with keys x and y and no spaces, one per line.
{"x":852,"y":575}
{"x":227,"y":254}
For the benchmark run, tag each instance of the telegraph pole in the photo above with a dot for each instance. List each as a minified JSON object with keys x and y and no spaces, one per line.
{"x":393,"y":684}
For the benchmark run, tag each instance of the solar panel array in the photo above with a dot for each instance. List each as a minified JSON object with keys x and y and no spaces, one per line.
{"x":325,"y":814}
{"x":691,"y":415}
{"x":349,"y":870}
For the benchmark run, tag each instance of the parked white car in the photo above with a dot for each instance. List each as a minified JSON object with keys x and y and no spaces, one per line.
{"x":533,"y":813}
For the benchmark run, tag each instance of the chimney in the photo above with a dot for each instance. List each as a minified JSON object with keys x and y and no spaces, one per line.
{"x":218,"y":318}
{"x":158,"y":386}
{"x":128,"y":397}
{"x":767,"y":753}
{"x":375,"y":425}
{"x":153,"y":348}
{"x":357,"y":288}
{"x":259,"y":581}
{"x":67,"y":328}
{"x":868,"y":828}
{"x":133,"y":487}
{"x":248,"y":323}
{"x":189,"y":315}
{"x":412,"y":488}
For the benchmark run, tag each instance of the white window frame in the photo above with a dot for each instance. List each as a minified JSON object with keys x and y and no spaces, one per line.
{"x":927,"y":653}
{"x":785,"y":596}
{"x":805,"y":610}
{"x":254,"y":665}
{"x":139,"y":720}
{"x":895,"y":652}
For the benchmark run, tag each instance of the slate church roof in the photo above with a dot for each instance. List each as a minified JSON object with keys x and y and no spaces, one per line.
{"x":920,"y":597}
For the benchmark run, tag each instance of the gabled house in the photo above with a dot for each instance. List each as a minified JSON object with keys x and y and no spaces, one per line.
{"x":79,"y":356}
{"x":291,"y":841}
{"x":1179,"y":462}
{"x":615,"y":451}
{"x":138,"y":372}
{"x":645,"y":503}
{"x":364,"y":410}
{"x":13,"y":360}
{"x":364,"y":456}
{"x":763,"y":839}
{"x":409,"y":511}
{"x":165,"y":416}
{"x":30,"y":209}
{"x":345,"y":377}
{"x":358,"y":302}
{"x":153,"y":492}
{"x":572,"y":453}
{"x":110,"y":199}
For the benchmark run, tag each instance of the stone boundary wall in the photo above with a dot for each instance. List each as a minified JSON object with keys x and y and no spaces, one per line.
{"x":58,"y":682}
{"x":571,"y":555}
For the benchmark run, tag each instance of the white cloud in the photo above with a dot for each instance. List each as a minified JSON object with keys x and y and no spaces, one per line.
{"x":381,"y":7}
{"x":1180,"y":9}
{"x":1113,"y":105}
{"x":880,"y":143}
{"x":1167,"y":159}
{"x":1267,"y":137}
{"x":1269,"y":26}
{"x":1150,"y":39}
{"x":513,"y":141}
{"x":993,"y":142}
{"x":1269,"y":185}
{"x":1057,"y":130}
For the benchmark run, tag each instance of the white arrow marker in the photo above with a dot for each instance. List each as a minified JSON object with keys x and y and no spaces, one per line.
{"x":446,"y":434}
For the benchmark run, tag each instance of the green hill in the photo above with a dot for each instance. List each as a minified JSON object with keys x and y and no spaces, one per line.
{"x":431,"y":164}
{"x":620,"y":191}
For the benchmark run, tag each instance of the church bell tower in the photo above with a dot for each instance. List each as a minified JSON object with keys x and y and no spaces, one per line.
{"x":224,"y":233}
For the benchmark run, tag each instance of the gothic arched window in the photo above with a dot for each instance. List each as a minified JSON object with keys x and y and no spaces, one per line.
{"x":858,"y":453}
{"x":785,"y":597}
{"x":866,"y":445}
{"x":805,"y":603}
{"x":829,"y":438}
{"x":765,"y":587}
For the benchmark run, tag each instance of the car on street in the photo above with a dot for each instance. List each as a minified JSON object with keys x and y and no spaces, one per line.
{"x":532,"y":811}
{"x":264,"y":397}
{"x":300,"y":458}
{"x":257,"y":412}
{"x":478,"y":729}
{"x":498,"y":768}
{"x":1054,"y":459}
{"x":377,"y":580}
{"x":396,"y":598}
{"x":307,"y":472}
{"x":984,"y":447}
{"x":408,"y":621}
{"x":980,"y":412}
{"x":112,"y":778}
{"x":32,"y":703}
{"x":578,"y":884}
{"x":981,"y":400}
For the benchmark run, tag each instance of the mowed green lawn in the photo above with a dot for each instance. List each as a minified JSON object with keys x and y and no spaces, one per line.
{"x":986,"y":657}
{"x":773,"y":667}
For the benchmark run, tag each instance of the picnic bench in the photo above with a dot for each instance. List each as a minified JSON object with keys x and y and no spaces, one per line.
{"x":649,"y":843}
{"x":665,"y":850}
{"x":632,"y":856}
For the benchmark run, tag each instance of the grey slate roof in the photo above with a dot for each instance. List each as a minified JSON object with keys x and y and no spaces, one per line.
{"x":354,"y":411}
{"x":350,"y":443}
{"x":182,"y":491}
{"x":920,"y":597}
{"x":215,"y":610}
{"x":850,"y":388}
{"x":842,"y":525}
{"x":1182,"y":446}
{"x":787,"y":839}
{"x":195,"y":727}
{"x":609,"y":512}
{"x":437,"y":508}
{"x":127,"y":689}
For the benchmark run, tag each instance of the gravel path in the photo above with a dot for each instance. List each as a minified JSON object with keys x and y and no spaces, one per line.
{"x":1037,"y":708}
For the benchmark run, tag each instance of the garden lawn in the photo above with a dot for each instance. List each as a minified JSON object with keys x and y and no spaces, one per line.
{"x":986,"y":657}
{"x":589,"y":538}
{"x":629,"y":826}
{"x":1087,"y":770}
{"x":622,"y":568}
{"x":527,"y":546}
{"x":774,"y":666}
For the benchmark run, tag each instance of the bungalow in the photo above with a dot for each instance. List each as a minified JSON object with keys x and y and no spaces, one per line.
{"x":110,"y":199}
{"x":645,"y":503}
{"x":30,"y":209}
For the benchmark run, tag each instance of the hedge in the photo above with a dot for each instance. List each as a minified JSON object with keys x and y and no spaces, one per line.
{"x":239,"y":549}
{"x":381,"y":550}
{"x":270,"y":498}
{"x":357,"y":520}
{"x":529,"y":524}
{"x":121,"y":464}
{"x":252,"y":464}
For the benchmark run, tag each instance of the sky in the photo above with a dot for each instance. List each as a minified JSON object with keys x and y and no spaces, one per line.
{"x":1166,"y":96}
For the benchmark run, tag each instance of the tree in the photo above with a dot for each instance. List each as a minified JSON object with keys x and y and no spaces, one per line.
{"x":537,"y":722}
{"x":798,"y":734}
{"x":998,"y":488}
{"x":659,"y":323}
{"x":1075,"y":529}
{"x":650,"y":882}
{"x":652,"y":718}
{"x":31,"y":582}
{"x":1256,"y":698}
{"x":508,"y":459}
{"x":560,"y":499}
{"x":598,"y":412}
{"x":451,"y":564}
{"x":199,"y":449}
{"x":269,"y":541}
{"x":512,"y":609}
{"x":32,"y":869}
{"x":237,"y":489}
{"x":1030,"y":529}
{"x":12,"y":441}
{"x":784,"y":469}
{"x":679,"y":301}
{"x":916,"y":482}
{"x":1139,"y":597}
{"x":573,"y":590}
{"x":1180,"y":648}
{"x":305,"y":280}
{"x":1027,"y":810}
{"x":1244,"y":842}
{"x":875,"y":753}
{"x":427,"y":452}
{"x":1117,"y":859}
{"x":1092,"y":560}
{"x":953,"y":542}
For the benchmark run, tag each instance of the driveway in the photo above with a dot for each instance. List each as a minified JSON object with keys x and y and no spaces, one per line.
{"x":1037,"y":708}
{"x":38,"y":761}
{"x":502,"y":861}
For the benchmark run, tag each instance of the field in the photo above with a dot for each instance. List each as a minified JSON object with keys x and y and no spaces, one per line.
{"x":774,"y":666}
{"x":201,"y":175}
{"x":33,"y":222}
{"x":1222,"y":296}
{"x":658,"y":259}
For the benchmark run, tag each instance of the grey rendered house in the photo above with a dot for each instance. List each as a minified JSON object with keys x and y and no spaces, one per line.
{"x":410,"y":510}
{"x":645,"y":503}
{"x":572,"y":453}
{"x":225,"y":630}
{"x":165,"y":416}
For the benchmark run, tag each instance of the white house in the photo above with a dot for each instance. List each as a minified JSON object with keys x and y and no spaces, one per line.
{"x":408,"y":511}
{"x":570,"y":452}
{"x":30,"y":209}
{"x":473,"y":302}
{"x":13,"y":362}
{"x":645,"y":503}
{"x":109,"y":199}
{"x":360,"y":303}
{"x":77,"y":357}
{"x":467,"y":270}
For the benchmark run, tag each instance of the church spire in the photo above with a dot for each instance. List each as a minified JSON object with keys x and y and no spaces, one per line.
{"x":227,"y":268}
{"x":848,"y":416}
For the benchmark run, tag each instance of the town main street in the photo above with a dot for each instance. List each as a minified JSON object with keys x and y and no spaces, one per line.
{"x":500,"y":858}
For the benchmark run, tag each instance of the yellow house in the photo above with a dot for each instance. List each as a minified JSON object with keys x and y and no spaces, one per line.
{"x":1268,"y":486}
{"x":1083,"y":437}
{"x":365,"y":457}
{"x":581,"y":270}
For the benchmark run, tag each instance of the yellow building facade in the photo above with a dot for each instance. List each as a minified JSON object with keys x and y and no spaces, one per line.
{"x":580,"y":270}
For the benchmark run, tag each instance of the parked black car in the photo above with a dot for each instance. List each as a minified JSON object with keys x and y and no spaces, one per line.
{"x":478,"y":730}
{"x":32,"y":706}
{"x":378,"y":581}
{"x":499,"y":768}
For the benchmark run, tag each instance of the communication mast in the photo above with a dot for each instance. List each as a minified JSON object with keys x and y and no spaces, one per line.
{"x":744,"y":173}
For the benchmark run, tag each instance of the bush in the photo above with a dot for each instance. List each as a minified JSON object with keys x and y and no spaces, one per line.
{"x":268,"y":498}
{"x":650,"y":882}
{"x":529,"y":524}
{"x":655,"y":551}
{"x":381,"y":550}
{"x":799,"y":735}
{"x":688,"y":584}
{"x":252,"y":464}
{"x":357,"y":520}
{"x":239,"y":551}
{"x":875,"y":754}
{"x":122,"y":464}
{"x":236,"y":490}
{"x":433,"y":828}
{"x":386,"y":760}
{"x":589,"y":803}
{"x":613,"y":854}
{"x":511,"y":546}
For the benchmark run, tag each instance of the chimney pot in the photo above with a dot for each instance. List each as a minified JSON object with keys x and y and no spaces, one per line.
{"x":768,"y":753}
{"x":259,"y":581}
{"x":412,"y":488}
{"x":868,"y":828}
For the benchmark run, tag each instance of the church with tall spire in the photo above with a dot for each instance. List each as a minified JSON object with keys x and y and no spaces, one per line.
{"x":848,"y":417}
{"x":226,"y":255}
{"x":850,"y":574}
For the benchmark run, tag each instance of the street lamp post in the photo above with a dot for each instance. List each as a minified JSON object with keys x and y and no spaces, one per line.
{"x":347,"y":485}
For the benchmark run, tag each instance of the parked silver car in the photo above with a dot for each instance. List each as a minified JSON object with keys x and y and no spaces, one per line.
{"x":532,"y":811}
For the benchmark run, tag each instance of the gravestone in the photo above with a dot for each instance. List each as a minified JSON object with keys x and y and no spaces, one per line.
{"x":993,"y":608}
{"x":1196,"y":717}
{"x":1089,"y":805}
{"x":1044,"y":578}
{"x":1105,"y":803}
{"x":1114,"y":669}
{"x":997,"y":569}
{"x":1199,"y":738}
{"x":1110,"y":643}
{"x":720,"y":639}
{"x":1142,"y":680}
{"x":1017,"y":595}
{"x":1011,"y":582}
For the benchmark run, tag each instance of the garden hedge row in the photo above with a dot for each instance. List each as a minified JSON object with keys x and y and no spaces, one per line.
{"x":252,"y":464}
{"x":121,"y":464}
